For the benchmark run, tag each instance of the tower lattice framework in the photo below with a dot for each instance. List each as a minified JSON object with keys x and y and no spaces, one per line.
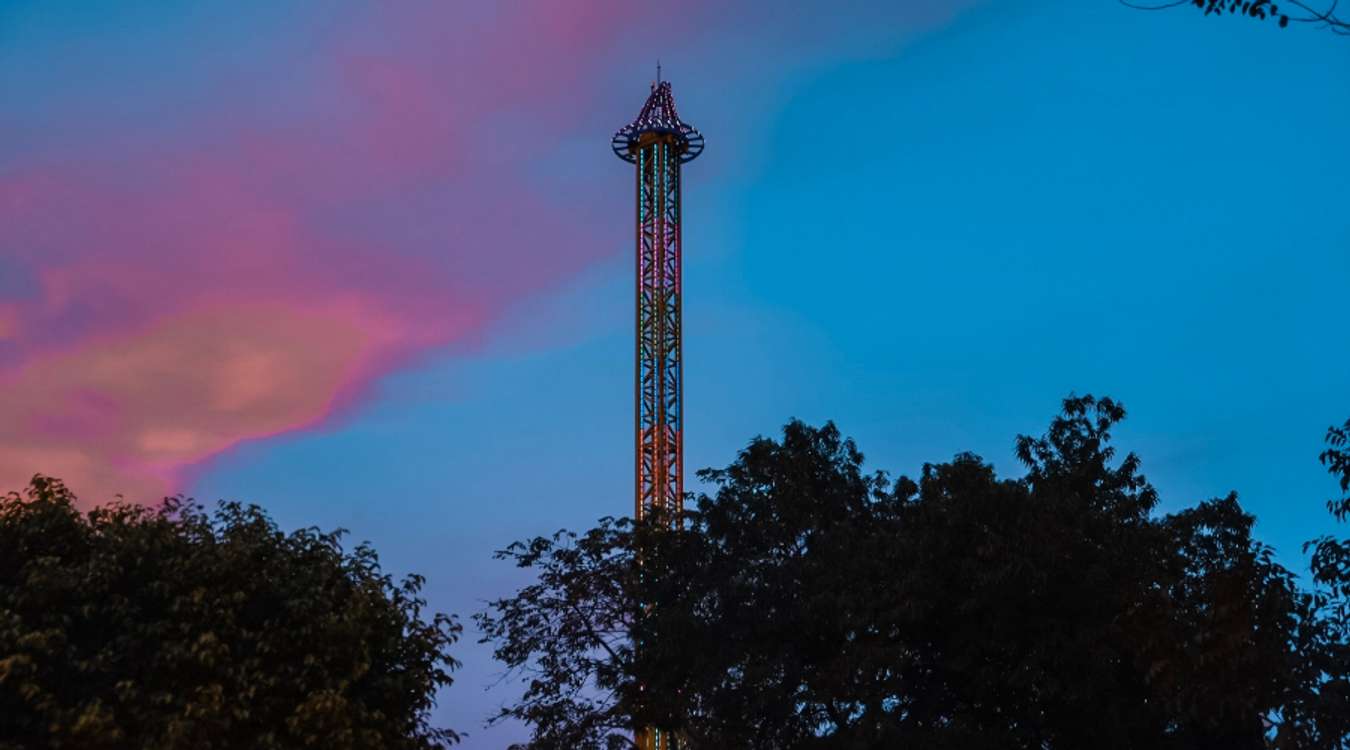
{"x":658,"y":143}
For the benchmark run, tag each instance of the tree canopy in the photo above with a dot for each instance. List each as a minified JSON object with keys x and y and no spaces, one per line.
{"x":808,"y":603}
{"x":171,"y":628}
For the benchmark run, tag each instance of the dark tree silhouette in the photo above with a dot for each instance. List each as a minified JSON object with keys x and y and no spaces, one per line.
{"x":807,"y":603}
{"x":1282,"y":13}
{"x":1328,"y":663}
{"x":569,"y":633}
{"x":170,"y":628}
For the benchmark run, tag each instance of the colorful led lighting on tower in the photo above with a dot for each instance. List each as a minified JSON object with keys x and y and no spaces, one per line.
{"x":658,"y":143}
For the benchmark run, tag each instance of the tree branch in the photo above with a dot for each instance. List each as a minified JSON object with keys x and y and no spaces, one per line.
{"x":1261,"y":9}
{"x":1326,"y":18}
{"x":1165,"y":6}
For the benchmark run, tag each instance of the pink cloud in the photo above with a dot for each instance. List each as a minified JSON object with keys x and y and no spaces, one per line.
{"x":247,"y":279}
{"x":129,"y":412}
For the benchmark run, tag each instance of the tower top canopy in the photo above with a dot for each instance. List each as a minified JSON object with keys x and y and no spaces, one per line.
{"x":658,"y":117}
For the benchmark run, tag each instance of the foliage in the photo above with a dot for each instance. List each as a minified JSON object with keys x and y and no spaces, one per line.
{"x":809,"y":604}
{"x":172,"y":628}
{"x":1328,"y":661}
{"x":569,"y":633}
{"x":1261,"y":10}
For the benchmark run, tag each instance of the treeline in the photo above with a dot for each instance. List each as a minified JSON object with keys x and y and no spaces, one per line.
{"x":802,"y":602}
{"x":807,"y":603}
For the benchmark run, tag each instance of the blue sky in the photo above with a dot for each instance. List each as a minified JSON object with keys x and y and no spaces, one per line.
{"x":928,"y":224}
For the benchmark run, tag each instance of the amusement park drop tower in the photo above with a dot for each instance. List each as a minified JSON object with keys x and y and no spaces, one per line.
{"x":658,"y":143}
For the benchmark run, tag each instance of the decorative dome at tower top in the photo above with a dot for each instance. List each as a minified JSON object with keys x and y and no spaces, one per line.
{"x":658,"y":116}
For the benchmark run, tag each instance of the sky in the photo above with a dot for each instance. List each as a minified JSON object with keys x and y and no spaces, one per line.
{"x":370,"y":265}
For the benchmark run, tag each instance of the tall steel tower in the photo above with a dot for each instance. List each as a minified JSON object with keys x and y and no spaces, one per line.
{"x":658,"y":142}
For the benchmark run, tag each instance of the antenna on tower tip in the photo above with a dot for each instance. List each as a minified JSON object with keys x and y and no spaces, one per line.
{"x":658,"y":70}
